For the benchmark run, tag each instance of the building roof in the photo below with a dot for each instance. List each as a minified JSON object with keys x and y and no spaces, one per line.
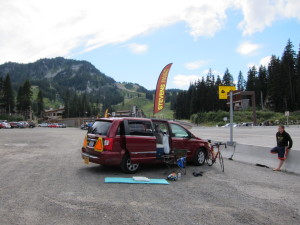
{"x":53,"y":110}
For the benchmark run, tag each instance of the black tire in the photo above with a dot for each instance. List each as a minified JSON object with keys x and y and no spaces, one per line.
{"x":221,"y":162}
{"x":200,"y":156}
{"x":127,"y":166}
{"x":209,"y":159}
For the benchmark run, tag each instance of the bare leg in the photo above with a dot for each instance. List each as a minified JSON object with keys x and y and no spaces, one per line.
{"x":280,"y":165}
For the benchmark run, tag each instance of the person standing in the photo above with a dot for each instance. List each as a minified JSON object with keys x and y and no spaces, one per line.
{"x":284,"y":144}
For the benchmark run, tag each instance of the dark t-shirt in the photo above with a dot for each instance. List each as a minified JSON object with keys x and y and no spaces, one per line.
{"x":284,"y":139}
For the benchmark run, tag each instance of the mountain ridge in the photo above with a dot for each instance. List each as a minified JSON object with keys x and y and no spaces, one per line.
{"x":54,"y":76}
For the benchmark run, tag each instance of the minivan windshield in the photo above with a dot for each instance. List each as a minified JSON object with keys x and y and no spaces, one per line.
{"x":100,"y":127}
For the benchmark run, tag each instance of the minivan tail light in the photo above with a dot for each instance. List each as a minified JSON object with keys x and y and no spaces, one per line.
{"x":108,"y":144}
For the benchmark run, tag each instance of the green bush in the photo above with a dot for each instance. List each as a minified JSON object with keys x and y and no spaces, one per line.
{"x":11,"y":118}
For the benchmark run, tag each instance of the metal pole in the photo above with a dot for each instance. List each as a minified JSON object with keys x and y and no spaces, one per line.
{"x":231,"y":118}
{"x":261,"y":100}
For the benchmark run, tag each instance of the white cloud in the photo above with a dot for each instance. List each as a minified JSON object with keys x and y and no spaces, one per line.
{"x":184,"y":81}
{"x":259,"y":14}
{"x":247,"y":48}
{"x":33,"y":29}
{"x":137,"y":48}
{"x":265,"y":61}
{"x":196,"y":64}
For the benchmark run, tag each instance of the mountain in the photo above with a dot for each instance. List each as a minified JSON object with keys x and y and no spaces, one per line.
{"x":73,"y":82}
{"x":55,"y":76}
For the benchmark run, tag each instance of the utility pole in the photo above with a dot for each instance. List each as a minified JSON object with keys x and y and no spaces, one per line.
{"x":261,"y":100}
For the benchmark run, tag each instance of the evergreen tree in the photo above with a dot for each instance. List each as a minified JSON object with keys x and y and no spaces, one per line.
{"x":262,"y":85}
{"x":288,"y":76}
{"x":275,"y":87}
{"x":251,"y":79}
{"x":74,"y":106}
{"x":218,"y":81}
{"x":278,"y":86}
{"x":227,"y":78}
{"x":297,"y":81}
{"x":8,"y":95}
{"x":26,"y":99}
{"x":241,"y":82}
{"x":67,"y":101}
{"x":1,"y":93}
{"x":40,"y":103}
{"x":20,"y":96}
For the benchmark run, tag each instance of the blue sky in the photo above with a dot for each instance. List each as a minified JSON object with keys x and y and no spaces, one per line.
{"x":133,"y":40}
{"x":174,"y":44}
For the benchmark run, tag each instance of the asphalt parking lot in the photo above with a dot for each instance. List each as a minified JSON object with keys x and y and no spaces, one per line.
{"x":43,"y":180}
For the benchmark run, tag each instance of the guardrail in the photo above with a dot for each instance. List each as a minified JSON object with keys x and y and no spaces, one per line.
{"x":261,"y":155}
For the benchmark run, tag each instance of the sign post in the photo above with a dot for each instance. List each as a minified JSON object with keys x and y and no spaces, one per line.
{"x":231,"y":119}
{"x":223,"y":92}
{"x":287,"y":114}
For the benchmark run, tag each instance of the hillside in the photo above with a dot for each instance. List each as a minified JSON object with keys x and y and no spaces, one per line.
{"x":55,"y":76}
{"x":133,"y":96}
{"x":61,"y":79}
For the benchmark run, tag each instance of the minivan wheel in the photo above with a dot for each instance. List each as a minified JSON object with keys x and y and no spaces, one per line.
{"x":127,"y":166}
{"x":200,"y":157}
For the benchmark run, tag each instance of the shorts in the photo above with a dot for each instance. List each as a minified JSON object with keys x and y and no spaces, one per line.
{"x":281,"y":151}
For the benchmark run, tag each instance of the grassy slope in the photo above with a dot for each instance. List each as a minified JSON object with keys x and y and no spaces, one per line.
{"x":47,"y":102}
{"x":132,"y":99}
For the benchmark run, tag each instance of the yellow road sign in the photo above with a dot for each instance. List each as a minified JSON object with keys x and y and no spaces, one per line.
{"x":223,"y":91}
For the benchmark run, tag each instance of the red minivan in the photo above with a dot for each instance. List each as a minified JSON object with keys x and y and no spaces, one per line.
{"x":129,"y":142}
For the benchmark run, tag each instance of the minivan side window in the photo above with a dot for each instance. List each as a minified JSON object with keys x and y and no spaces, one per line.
{"x":140,"y":128}
{"x":178,"y":131}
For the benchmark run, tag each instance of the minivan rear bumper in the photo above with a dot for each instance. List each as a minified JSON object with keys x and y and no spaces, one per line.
{"x":106,"y":158}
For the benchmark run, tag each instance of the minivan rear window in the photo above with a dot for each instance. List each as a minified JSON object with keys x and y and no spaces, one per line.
{"x":100,"y":127}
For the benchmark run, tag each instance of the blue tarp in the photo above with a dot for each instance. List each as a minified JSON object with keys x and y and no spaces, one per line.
{"x":132,"y":181}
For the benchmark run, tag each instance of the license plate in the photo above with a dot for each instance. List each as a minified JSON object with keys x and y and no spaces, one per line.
{"x":91,"y":144}
{"x":86,"y":159}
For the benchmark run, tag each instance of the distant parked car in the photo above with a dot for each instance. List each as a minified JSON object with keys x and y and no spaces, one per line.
{"x":228,"y":125}
{"x":43,"y":125}
{"x":13,"y":124}
{"x":22,"y":124}
{"x":247,"y":124}
{"x":2,"y":125}
{"x":5,"y":125}
{"x":62,"y":125}
{"x":53,"y":125}
{"x":31,"y":124}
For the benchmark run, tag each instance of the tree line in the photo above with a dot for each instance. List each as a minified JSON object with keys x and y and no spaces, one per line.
{"x":23,"y":102}
{"x":76,"y":104}
{"x":80,"y":105}
{"x":276,"y":87}
{"x":202,"y":95}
